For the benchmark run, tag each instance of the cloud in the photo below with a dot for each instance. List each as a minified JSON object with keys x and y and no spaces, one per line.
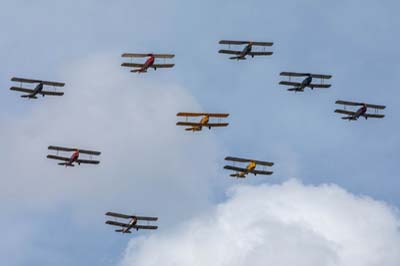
{"x":288,"y":224}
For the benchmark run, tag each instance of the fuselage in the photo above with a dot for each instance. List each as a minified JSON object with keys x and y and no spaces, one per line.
{"x":306,"y":82}
{"x":38,"y":89}
{"x":249,"y":168}
{"x":74,"y":157}
{"x":203,"y":122}
{"x":361,"y":112}
{"x":130,"y":225}
{"x":149,"y":62}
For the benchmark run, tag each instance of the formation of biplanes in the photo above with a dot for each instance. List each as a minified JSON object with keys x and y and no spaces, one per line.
{"x":194,"y":121}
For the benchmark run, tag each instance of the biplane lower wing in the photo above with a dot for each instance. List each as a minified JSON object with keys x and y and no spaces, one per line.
{"x":374,"y":116}
{"x":20,"y":89}
{"x":260,"y":53}
{"x":117,"y":223}
{"x":344,"y":112}
{"x":231,"y":52}
{"x":60,"y":158}
{"x":162,"y":65}
{"x":298,"y":84}
{"x":146,"y":227}
{"x":193,"y":124}
{"x":234,"y":168}
{"x":79,"y":161}
{"x":290,"y":83}
{"x":132,"y":65}
{"x":259,"y":172}
{"x":52,"y":93}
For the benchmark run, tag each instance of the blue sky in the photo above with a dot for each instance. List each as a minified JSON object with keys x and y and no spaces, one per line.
{"x":80,"y":42}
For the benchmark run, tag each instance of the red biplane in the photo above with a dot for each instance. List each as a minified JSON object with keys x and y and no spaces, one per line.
{"x":149,"y":63}
{"x":74,"y":158}
{"x":362,"y":111}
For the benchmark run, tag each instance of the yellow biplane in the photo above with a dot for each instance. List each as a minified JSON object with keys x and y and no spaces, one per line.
{"x":204,"y":121}
{"x":249,"y":169}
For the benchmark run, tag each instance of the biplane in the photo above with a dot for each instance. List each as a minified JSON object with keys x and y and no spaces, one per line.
{"x":132,"y":224}
{"x":149,"y":63}
{"x":362,"y":111}
{"x":74,"y":158}
{"x":249,"y":169}
{"x":204,"y":121}
{"x":247,"y":50}
{"x":297,"y":86}
{"x":31,"y":93}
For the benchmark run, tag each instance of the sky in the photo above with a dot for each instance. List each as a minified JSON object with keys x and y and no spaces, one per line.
{"x":334,"y":188}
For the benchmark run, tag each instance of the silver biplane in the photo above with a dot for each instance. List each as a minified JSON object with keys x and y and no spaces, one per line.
{"x":132,"y":224}
{"x":299,"y":86}
{"x":247,"y":50}
{"x":31,"y":93}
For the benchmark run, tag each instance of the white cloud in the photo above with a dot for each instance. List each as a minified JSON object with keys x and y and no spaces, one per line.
{"x":289,"y":224}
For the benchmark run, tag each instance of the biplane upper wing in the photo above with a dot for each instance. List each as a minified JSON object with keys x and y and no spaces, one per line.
{"x":146,"y":55}
{"x":344,"y":112}
{"x":58,"y":148}
{"x":243,"y":160}
{"x":84,"y":161}
{"x":374,"y":115}
{"x":348,"y":103}
{"x":146,"y":218}
{"x":49,"y":83}
{"x":163,"y":65}
{"x":260,"y":53}
{"x":147,"y":227}
{"x":234,"y":168}
{"x":60,"y":158}
{"x":223,"y":51}
{"x":119,"y":215}
{"x":20,"y":89}
{"x":259,"y":172}
{"x":117,"y":223}
{"x":246,"y":42}
{"x":297,"y":74}
{"x":202,"y":114}
{"x":375,"y":106}
{"x":132,"y":65}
